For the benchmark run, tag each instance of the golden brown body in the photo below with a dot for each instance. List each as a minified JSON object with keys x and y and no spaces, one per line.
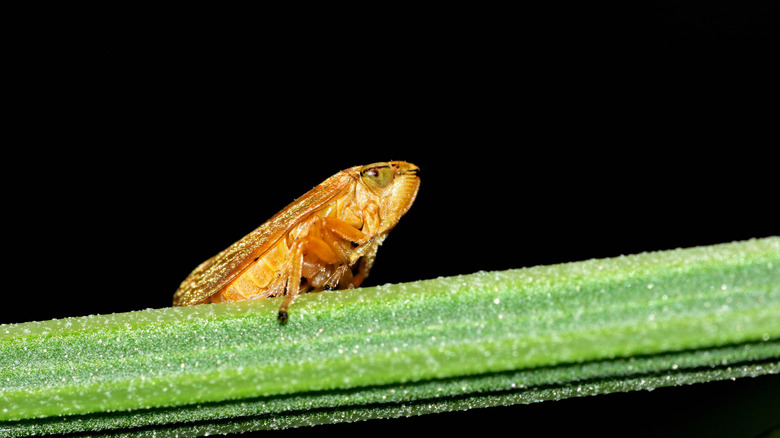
{"x":313,"y":244}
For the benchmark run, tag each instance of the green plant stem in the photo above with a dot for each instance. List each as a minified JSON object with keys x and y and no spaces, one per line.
{"x":486,"y":339}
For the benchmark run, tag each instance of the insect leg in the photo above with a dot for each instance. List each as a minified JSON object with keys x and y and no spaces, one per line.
{"x":293,"y":279}
{"x":322,"y":250}
{"x":365,"y":263}
{"x":371,"y":219}
{"x":308,"y":244}
{"x":344,"y":230}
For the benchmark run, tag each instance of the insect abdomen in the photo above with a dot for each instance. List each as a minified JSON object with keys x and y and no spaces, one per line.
{"x":257,"y":281}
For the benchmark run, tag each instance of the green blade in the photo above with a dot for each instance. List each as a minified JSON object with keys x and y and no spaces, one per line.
{"x":486,"y":339}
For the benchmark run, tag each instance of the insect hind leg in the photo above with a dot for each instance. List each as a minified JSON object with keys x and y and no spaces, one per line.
{"x":293,"y":280}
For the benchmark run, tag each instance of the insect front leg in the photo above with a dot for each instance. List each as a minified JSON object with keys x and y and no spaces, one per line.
{"x":366,"y":262}
{"x":371,"y":219}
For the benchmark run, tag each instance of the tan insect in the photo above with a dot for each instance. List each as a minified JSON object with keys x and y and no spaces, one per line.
{"x":326,"y":239}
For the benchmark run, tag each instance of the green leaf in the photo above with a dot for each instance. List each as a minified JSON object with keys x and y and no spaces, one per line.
{"x":486,"y":339}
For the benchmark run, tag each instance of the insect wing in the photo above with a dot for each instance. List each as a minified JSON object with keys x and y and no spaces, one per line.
{"x":217,"y":272}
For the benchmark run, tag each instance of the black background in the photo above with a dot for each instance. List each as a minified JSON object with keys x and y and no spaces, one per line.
{"x":142,"y":144}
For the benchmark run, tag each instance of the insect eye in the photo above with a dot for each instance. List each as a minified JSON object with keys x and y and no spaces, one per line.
{"x":379,"y":174}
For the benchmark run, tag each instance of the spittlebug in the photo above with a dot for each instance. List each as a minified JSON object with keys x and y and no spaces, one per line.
{"x":326,"y":239}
